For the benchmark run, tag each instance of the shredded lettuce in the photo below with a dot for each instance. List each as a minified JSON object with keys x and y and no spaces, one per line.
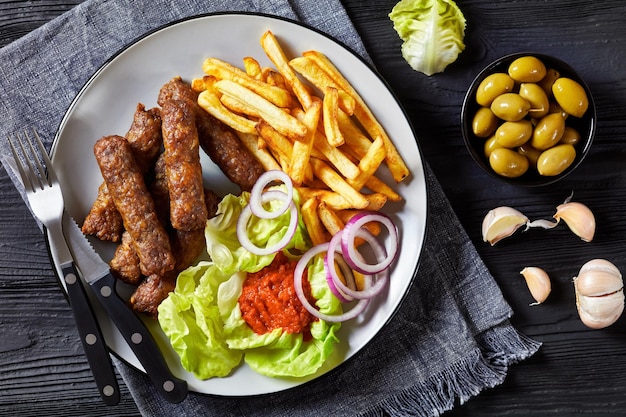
{"x":432,"y":31}
{"x":202,"y":318}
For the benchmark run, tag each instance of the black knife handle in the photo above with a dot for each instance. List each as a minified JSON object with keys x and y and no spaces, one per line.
{"x":140,"y":341}
{"x":91,"y":337}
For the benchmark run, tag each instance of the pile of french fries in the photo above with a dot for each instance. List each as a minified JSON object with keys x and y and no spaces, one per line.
{"x":305,"y":118}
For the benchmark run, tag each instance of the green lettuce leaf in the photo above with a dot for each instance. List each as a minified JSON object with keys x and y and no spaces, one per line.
{"x":432,"y":31}
{"x":202,"y":318}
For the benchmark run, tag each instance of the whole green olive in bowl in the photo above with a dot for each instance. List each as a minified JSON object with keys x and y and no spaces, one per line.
{"x":520,"y":111}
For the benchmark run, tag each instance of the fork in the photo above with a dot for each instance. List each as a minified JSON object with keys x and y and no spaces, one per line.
{"x":44,"y":195}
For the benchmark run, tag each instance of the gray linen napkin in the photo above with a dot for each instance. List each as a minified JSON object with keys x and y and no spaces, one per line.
{"x":444,"y":345}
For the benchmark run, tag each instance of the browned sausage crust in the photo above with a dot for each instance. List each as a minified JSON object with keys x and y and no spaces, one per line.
{"x":217,"y":140}
{"x":144,"y":137}
{"x":225,"y":149}
{"x":182,"y":163}
{"x":125,"y":262}
{"x":128,"y":190}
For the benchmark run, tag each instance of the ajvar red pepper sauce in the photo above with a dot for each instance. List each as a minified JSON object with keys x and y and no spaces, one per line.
{"x":268,"y":299}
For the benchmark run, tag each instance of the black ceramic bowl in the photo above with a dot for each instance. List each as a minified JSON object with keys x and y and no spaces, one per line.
{"x":585,"y":125}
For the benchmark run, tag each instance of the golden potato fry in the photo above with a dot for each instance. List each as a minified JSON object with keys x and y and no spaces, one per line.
{"x":252,"y":67}
{"x":225,"y":71}
{"x":314,"y":74}
{"x":280,"y":146}
{"x":369,"y":163}
{"x":381,"y":188}
{"x":364,"y":115}
{"x":324,"y":151}
{"x":209,"y":101}
{"x":302,"y":148}
{"x":314,"y":227}
{"x":331,"y":125}
{"x":357,"y":143}
{"x":280,"y":120}
{"x":275,"y":53}
{"x":201,"y":84}
{"x":266,"y":159}
{"x":335,"y":182}
{"x":329,"y":219}
{"x":235,"y":105}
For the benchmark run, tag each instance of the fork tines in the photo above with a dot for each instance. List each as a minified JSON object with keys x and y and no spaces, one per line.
{"x":29,"y":177}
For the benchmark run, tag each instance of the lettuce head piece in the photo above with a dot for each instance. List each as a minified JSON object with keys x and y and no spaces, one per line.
{"x":432,"y":31}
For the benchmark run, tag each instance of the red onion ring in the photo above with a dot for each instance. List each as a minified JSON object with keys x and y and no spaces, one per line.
{"x":347,"y":272}
{"x":299,"y":276}
{"x":256,"y":201}
{"x":382,"y":277}
{"x":352,"y":230}
{"x":242,"y":224}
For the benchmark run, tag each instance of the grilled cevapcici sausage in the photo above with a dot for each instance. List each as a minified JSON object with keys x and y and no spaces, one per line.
{"x":128,"y":190}
{"x":144,"y":137}
{"x":182,"y":164}
{"x":217,"y":140}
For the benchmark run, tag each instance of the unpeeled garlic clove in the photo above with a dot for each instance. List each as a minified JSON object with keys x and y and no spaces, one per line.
{"x":500,"y":223}
{"x":599,"y":293}
{"x":538,"y":283}
{"x":578,"y":218}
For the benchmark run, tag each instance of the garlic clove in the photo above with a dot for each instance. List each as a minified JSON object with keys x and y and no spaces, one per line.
{"x":538,"y":283}
{"x":600,"y":265}
{"x":600,"y":312}
{"x":500,"y":223}
{"x":578,"y":218}
{"x":599,"y":293}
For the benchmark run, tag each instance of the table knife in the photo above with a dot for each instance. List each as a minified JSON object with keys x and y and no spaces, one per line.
{"x":98,"y":274}
{"x":86,"y":322}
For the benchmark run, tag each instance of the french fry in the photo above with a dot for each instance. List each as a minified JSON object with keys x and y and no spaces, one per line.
{"x":280,"y":146}
{"x":237,"y":106}
{"x":252,"y":67}
{"x":314,"y":227}
{"x":209,"y":101}
{"x":266,"y":159}
{"x":331,"y":125}
{"x":364,"y":115}
{"x":329,"y":219}
{"x":369,"y":163}
{"x":316,"y":76}
{"x":203,"y":83}
{"x":225,"y":71}
{"x":357,"y":142}
{"x":276,"y":54}
{"x":302,"y":148}
{"x":336,"y":183}
{"x":324,"y":151}
{"x":280,"y":120}
{"x":380,"y":187}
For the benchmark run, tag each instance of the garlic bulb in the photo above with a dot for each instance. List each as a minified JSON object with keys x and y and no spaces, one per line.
{"x":538,"y":283}
{"x":578,"y":218}
{"x":501,"y":222}
{"x":599,"y":293}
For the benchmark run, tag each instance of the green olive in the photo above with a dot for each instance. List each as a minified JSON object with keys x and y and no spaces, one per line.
{"x":556,"y":160}
{"x":514,"y":134}
{"x":508,"y":163}
{"x":555,"y":108}
{"x":548,"y":131}
{"x":484,"y":122}
{"x":510,"y":107}
{"x":527,"y":69}
{"x":571,"y":96}
{"x":570,"y":135}
{"x":546,"y":82}
{"x":529,"y":152}
{"x":537,"y":97}
{"x":492,"y":86}
{"x":490,"y":145}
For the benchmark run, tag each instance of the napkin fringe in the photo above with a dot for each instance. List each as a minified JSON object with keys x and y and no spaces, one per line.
{"x":484,"y":367}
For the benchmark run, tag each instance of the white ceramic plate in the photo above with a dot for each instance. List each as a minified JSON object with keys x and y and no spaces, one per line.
{"x":106,"y":105}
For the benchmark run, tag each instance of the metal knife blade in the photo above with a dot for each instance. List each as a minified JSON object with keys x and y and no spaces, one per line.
{"x":98,"y":274}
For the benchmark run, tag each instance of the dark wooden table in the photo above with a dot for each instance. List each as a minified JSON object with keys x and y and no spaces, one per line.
{"x":577,"y":371}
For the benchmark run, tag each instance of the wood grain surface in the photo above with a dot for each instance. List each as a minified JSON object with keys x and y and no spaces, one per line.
{"x":578,"y":371}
